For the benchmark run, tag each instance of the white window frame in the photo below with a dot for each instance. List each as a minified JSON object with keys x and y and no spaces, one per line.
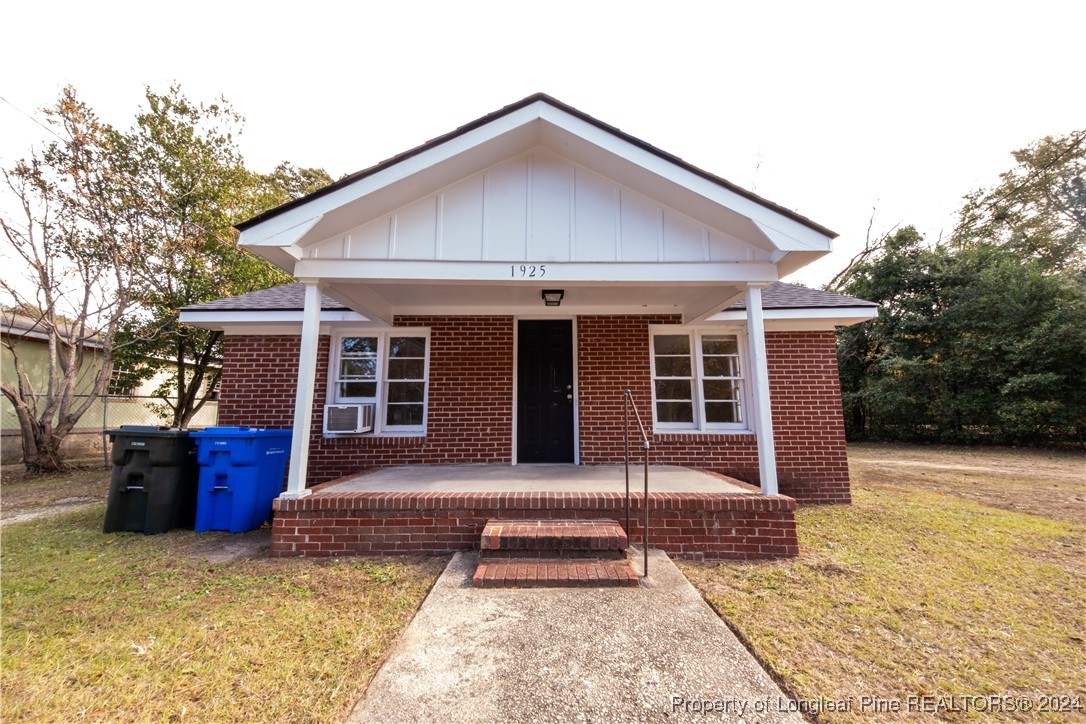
{"x":380,"y":425}
{"x":699,"y":424}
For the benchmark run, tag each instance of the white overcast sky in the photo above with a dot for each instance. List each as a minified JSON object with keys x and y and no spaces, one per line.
{"x":828,"y":108}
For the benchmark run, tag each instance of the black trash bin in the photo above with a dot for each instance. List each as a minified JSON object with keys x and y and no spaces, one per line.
{"x":153,"y":486}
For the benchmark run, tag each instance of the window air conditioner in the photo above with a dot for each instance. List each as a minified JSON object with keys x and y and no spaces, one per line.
{"x":343,"y":419}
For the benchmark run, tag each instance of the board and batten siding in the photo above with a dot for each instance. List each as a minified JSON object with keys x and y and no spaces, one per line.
{"x":537,"y":207}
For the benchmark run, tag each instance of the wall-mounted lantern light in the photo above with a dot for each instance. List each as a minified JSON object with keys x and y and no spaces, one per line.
{"x":553,"y":297}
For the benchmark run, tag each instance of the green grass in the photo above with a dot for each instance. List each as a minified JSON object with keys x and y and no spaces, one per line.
{"x":127,"y":627}
{"x":914,"y":593}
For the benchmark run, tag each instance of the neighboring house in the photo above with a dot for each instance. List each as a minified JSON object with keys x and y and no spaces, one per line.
{"x":128,"y":400}
{"x":488,"y":296}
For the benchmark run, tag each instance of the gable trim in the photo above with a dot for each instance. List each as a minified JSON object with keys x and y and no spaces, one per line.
{"x":491,"y":117}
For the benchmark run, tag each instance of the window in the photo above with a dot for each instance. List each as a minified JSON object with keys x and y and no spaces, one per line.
{"x":697,"y":379}
{"x":388,"y":369}
{"x":123,"y":381}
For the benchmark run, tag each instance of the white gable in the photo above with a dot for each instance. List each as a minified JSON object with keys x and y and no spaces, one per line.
{"x":538,"y":207}
{"x":536,"y":195}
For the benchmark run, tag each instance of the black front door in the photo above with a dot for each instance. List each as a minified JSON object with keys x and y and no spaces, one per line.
{"x":545,"y":391}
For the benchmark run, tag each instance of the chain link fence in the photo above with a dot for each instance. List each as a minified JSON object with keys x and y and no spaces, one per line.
{"x":89,"y":440}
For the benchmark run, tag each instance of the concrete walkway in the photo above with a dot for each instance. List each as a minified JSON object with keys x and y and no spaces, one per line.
{"x":535,"y":478}
{"x":653,"y":653}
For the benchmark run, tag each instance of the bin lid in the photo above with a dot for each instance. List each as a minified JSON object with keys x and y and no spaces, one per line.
{"x":242,"y":432}
{"x":149,"y":431}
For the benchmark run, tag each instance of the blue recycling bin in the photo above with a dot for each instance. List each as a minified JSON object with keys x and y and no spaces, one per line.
{"x":241,"y":473}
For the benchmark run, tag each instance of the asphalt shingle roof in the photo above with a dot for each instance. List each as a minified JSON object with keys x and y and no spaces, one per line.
{"x":291,"y":297}
{"x":285,"y":298}
{"x":794,"y":296}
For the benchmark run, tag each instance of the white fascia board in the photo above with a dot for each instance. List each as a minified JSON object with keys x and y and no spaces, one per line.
{"x":792,"y":261}
{"x":806,"y":318}
{"x":806,"y":237}
{"x":786,"y":242}
{"x":315,"y":208}
{"x":279,"y":235}
{"x":221,"y":319}
{"x":403,"y":270}
{"x":525,"y":312}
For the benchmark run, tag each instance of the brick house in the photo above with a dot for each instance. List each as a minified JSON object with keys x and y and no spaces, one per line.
{"x":487,"y":297}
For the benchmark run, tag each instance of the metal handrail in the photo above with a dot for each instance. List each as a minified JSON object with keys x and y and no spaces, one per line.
{"x":627,"y":404}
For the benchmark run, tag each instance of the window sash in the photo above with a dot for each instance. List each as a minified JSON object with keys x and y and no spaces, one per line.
{"x":386,"y":370}
{"x":716,"y":382}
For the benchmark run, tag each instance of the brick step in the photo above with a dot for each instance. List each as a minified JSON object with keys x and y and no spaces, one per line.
{"x":552,"y":538}
{"x":553,"y":573}
{"x":572,"y":554}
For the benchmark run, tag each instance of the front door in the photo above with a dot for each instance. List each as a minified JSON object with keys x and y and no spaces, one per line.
{"x":545,"y":391}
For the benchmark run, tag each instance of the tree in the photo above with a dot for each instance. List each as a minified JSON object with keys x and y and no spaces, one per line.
{"x":1038,"y":210}
{"x":74,"y":240}
{"x":120,"y":230}
{"x":982,"y":337}
{"x":191,"y":187}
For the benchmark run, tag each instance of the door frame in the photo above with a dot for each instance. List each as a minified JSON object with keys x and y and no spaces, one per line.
{"x":576,"y":379}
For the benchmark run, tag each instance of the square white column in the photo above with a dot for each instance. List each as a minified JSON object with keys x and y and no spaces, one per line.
{"x":763,"y":414}
{"x":303,"y":400}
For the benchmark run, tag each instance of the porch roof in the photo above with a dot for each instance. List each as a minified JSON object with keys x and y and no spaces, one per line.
{"x":784,"y":304}
{"x":535,"y":196}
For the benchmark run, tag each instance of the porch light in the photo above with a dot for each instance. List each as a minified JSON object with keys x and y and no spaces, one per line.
{"x":553,"y":297}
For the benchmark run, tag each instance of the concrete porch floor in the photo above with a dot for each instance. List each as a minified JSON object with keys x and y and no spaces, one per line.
{"x":534,"y":479}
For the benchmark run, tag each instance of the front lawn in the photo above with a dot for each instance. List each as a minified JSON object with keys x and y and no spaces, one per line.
{"x":917,"y":591}
{"x":127,"y":627}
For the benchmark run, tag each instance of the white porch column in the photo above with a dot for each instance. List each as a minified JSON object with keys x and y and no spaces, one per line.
{"x":303,"y":400}
{"x":763,"y":415}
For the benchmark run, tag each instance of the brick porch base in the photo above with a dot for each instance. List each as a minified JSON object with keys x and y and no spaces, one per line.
{"x":711,"y":526}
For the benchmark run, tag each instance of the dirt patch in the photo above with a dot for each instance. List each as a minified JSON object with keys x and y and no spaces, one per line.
{"x":24,"y":514}
{"x":223,"y":547}
{"x":1048,"y":483}
{"x":23,"y":494}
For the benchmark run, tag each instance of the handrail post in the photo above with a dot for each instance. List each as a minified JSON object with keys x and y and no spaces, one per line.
{"x":645,"y":504}
{"x":626,"y":451}
{"x":627,"y":404}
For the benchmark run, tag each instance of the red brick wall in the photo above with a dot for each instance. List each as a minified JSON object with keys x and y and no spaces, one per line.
{"x":470,"y":413}
{"x":259,"y":379}
{"x":471,"y":389}
{"x":690,"y":525}
{"x":808,"y":426}
{"x":613,"y":353}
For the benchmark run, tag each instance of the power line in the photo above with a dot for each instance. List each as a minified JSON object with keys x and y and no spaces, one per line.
{"x":20,"y":110}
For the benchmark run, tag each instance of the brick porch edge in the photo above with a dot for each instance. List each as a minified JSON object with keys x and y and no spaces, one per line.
{"x":688,"y":525}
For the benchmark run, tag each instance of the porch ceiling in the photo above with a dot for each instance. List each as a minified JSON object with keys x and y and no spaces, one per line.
{"x":380,"y":299}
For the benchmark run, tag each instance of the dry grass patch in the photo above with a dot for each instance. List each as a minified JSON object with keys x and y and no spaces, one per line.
{"x":128,"y":627}
{"x":21,"y":492}
{"x":1051,"y":483}
{"x":914,"y":593}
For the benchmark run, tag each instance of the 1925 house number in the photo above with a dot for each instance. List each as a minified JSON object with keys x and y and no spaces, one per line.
{"x":528,"y":271}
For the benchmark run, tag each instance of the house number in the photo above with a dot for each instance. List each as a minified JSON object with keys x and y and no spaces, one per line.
{"x":528,"y":271}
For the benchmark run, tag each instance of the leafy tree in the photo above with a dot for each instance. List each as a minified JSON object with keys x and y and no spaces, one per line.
{"x":191,"y":186}
{"x":118,"y":231}
{"x":980,"y":338}
{"x":75,"y":242}
{"x":1038,"y":210}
